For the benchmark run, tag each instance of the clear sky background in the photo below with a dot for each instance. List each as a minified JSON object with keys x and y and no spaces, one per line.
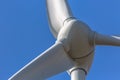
{"x":24,"y":34}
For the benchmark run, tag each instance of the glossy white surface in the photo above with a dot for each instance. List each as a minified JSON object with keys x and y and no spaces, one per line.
{"x":45,"y":65}
{"x":77,"y":49}
{"x":58,"y":12}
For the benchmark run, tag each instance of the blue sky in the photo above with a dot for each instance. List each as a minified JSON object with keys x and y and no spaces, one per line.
{"x":24,"y":34}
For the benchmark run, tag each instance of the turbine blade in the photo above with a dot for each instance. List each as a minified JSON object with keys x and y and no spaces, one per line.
{"x":107,"y":40}
{"x":49,"y":63}
{"x":58,"y":11}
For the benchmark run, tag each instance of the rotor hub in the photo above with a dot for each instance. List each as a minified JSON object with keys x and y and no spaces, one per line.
{"x":76,"y":37}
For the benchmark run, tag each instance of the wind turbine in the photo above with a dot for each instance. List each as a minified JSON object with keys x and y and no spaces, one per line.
{"x":73,"y":50}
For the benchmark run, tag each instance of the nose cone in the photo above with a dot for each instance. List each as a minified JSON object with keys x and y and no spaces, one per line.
{"x":76,"y":34}
{"x":76,"y":39}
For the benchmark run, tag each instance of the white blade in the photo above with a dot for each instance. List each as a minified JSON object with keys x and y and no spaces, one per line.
{"x":49,"y":63}
{"x":107,"y":40}
{"x":58,"y":12}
